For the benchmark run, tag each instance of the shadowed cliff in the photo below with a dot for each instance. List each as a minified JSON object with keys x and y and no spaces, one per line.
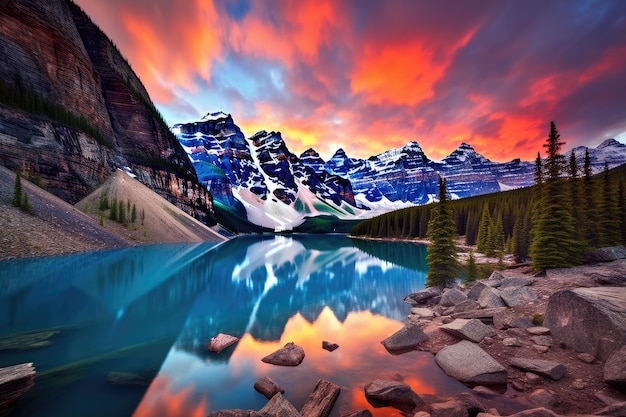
{"x":72,"y":110}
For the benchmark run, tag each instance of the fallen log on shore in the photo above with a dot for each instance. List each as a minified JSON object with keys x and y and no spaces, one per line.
{"x":14,"y":381}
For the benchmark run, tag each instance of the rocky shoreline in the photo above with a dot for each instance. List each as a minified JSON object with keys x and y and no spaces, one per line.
{"x":550,"y":344}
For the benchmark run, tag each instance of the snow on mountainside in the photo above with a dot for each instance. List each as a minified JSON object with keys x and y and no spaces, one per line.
{"x":260,"y":177}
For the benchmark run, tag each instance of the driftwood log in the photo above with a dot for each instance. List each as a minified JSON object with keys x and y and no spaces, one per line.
{"x":14,"y":381}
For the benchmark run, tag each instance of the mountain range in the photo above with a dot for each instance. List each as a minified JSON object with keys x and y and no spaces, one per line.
{"x":261,"y":180}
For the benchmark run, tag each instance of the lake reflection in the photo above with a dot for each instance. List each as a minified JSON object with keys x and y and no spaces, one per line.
{"x":151,"y":311}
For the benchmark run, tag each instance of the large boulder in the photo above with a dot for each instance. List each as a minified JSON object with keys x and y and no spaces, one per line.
{"x":452,"y":297}
{"x":609,"y":254}
{"x":289,"y":355}
{"x":268,"y":387}
{"x":221,"y":341}
{"x":549,"y":369}
{"x":476,"y":289}
{"x":381,"y":393}
{"x":588,"y":320}
{"x":473,"y":330}
{"x":615,"y":367}
{"x":407,"y":338}
{"x":467,"y":362}
{"x":490,"y":298}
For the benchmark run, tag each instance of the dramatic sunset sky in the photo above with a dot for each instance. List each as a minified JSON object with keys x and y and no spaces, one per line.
{"x":371,"y":75}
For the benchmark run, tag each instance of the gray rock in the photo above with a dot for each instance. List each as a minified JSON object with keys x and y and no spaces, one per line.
{"x":450,"y":408}
{"x":425,"y":313}
{"x":538,"y":330}
{"x":289,"y":355}
{"x":473,"y":330}
{"x":495,"y":279}
{"x":516,"y":332}
{"x":395,"y":394}
{"x":467,"y":362}
{"x":609,"y":254}
{"x":422,"y":296}
{"x":543,"y":340}
{"x":221,"y":341}
{"x":476,"y":289}
{"x":511,"y":342}
{"x":514,"y":296}
{"x":279,"y":406}
{"x":505,"y":319}
{"x":490,"y":298}
{"x":517,"y":281}
{"x":485,"y":315}
{"x":407,"y":338}
{"x":542,"y":398}
{"x":268,"y":387}
{"x":589,"y":320}
{"x":467,"y":305}
{"x":541,"y":349}
{"x":615,"y":367}
{"x":452,"y":297}
{"x":549,"y":369}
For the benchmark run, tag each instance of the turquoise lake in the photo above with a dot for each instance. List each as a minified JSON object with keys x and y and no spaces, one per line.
{"x":144,"y":316}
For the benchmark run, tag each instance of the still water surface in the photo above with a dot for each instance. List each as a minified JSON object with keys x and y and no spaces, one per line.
{"x":147,"y":313}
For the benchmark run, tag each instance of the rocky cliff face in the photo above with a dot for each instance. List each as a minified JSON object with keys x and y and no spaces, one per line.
{"x":52,"y":53}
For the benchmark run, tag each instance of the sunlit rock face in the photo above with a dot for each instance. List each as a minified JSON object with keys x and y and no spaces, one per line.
{"x":261,"y":164}
{"x":403,"y":174}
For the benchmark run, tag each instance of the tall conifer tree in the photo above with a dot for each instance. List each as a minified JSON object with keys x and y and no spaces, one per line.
{"x":442,"y":254}
{"x":590,"y":226}
{"x":610,"y":234}
{"x":483,"y":240}
{"x":554,"y":242}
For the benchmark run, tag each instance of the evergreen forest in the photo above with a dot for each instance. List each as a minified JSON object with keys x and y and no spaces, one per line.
{"x":566,"y":214}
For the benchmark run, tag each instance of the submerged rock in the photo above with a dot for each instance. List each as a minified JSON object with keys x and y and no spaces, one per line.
{"x":221,"y":341}
{"x":395,"y":394}
{"x":268,"y":387}
{"x":289,"y":355}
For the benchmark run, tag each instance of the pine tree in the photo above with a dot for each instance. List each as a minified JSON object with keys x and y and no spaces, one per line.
{"x":442,"y":252}
{"x":554,"y":242}
{"x":498,"y":235}
{"x":590,"y":226}
{"x":483,"y":240}
{"x":17,"y":190}
{"x":610,"y":234}
{"x":113,"y":214}
{"x":521,"y":236}
{"x":26,"y":204}
{"x":133,"y":215}
{"x":538,"y":170}
{"x":121,"y":213}
{"x":574,"y":186}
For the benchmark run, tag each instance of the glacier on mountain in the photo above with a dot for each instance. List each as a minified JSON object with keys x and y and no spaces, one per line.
{"x":278,"y":190}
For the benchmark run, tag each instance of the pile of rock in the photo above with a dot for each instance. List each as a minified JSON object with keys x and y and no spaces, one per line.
{"x":486,"y":316}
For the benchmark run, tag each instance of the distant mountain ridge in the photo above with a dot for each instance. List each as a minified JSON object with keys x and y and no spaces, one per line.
{"x":261,"y":179}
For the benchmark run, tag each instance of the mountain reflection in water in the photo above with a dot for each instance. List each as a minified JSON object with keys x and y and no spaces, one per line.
{"x":151,"y":310}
